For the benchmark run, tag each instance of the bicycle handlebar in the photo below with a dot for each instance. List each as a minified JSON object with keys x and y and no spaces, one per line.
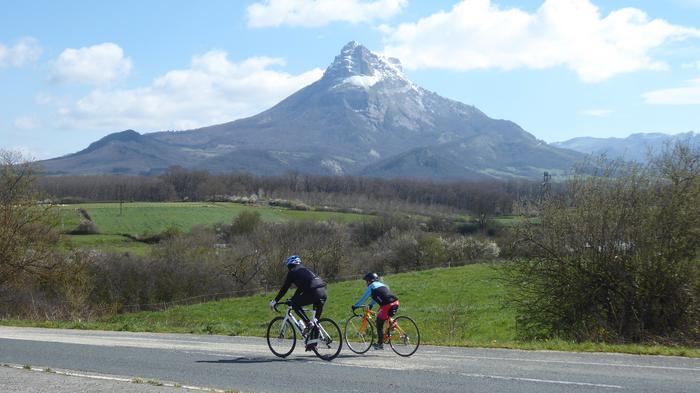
{"x":364,"y":306}
{"x":287,"y":302}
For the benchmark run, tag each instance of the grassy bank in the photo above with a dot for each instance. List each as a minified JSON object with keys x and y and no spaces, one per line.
{"x":456,"y":306}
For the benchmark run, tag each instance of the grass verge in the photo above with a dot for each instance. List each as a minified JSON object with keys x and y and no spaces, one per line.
{"x":458,"y":306}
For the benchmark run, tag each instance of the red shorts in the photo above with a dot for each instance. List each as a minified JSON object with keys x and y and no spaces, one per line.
{"x":384,"y":311}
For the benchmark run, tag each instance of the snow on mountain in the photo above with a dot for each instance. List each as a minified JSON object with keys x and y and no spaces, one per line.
{"x":360,"y":67}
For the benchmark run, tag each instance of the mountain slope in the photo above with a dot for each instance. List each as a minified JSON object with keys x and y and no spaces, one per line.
{"x":635,"y":147}
{"x":126,"y":152}
{"x":362,"y":115}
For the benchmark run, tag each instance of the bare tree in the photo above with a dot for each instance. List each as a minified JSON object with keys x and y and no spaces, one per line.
{"x":26,"y":227}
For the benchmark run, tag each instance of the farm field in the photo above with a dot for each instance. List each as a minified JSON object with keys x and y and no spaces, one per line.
{"x":459,"y":306}
{"x":142,"y":218}
{"x":149,"y":218}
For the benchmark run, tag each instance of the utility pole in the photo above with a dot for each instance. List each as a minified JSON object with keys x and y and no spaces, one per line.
{"x":121,"y":193}
{"x":546,"y":186}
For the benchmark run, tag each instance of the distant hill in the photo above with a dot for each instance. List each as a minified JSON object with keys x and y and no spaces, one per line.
{"x":635,"y":147}
{"x":363,"y":117}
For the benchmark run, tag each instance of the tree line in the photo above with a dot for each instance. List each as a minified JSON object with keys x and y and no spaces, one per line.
{"x":375,"y":194}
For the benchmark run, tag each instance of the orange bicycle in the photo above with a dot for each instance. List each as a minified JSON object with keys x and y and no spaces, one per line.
{"x":401,"y":333}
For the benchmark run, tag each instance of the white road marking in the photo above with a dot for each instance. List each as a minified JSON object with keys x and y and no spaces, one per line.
{"x":570,"y":362}
{"x":500,"y":377}
{"x":597,"y":385}
{"x":111,"y":378}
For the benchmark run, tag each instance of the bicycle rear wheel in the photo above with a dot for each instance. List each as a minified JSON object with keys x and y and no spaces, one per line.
{"x":404,"y":336}
{"x":330,"y":340}
{"x":358,"y":338}
{"x":281,"y":337}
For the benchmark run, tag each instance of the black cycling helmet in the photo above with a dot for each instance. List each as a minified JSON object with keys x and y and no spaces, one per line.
{"x":371,"y":277}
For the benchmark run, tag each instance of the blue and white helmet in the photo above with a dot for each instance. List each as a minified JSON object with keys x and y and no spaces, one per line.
{"x":293,"y":260}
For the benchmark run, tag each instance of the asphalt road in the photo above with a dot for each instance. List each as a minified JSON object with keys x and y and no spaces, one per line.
{"x":246,"y":364}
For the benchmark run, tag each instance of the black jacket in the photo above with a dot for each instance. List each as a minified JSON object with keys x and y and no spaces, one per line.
{"x":303,"y":278}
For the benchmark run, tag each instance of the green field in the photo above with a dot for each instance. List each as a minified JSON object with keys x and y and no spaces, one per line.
{"x":149,"y":218}
{"x":453,"y":306}
{"x":152,"y":218}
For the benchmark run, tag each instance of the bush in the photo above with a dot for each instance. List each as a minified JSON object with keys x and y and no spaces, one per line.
{"x":471,"y":249}
{"x":366,"y":232}
{"x":245,"y":222}
{"x":468,"y":228}
{"x":27,"y":229}
{"x":86,"y":227}
{"x":69,"y":200}
{"x":294,"y":205}
{"x":440,"y":224}
{"x":615,"y":258}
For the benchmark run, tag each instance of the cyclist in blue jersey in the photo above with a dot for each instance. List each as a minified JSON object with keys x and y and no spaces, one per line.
{"x":388,"y":304}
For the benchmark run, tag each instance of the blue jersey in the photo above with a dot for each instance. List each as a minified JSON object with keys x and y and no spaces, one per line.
{"x":380,"y":294}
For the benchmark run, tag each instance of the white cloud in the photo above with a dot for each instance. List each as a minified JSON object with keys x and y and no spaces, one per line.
{"x":595,"y":112}
{"x":315,"y":13}
{"x":26,"y":51}
{"x":95,"y":65}
{"x":213,"y":90}
{"x":689,"y":95}
{"x":694,"y":65}
{"x":477,"y":34}
{"x":25,"y":123}
{"x":25,"y":153}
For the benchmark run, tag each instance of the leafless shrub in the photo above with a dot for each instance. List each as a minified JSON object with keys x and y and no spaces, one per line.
{"x":86,"y":227}
{"x":27,"y":229}
{"x":615,"y":258}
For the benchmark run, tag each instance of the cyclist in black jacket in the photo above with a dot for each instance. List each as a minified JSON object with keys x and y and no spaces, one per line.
{"x":311,"y":289}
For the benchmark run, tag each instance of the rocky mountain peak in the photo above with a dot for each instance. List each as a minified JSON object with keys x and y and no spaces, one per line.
{"x":358,"y":66}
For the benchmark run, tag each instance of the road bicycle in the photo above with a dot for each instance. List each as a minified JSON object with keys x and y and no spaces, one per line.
{"x":323,"y":337}
{"x":401,"y":333}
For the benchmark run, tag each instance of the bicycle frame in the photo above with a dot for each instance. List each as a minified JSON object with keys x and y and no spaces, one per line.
{"x":296,"y":323}
{"x":369,"y":316}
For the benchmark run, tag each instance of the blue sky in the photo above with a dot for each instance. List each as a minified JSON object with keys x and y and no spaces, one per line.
{"x":74,"y":71}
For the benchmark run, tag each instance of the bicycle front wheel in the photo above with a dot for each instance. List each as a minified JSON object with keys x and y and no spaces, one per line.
{"x":281,"y":337}
{"x":404,"y":336}
{"x":359,"y":338}
{"x":330,"y":340}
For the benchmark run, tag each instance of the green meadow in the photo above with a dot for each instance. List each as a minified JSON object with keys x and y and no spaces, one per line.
{"x":142,"y":218}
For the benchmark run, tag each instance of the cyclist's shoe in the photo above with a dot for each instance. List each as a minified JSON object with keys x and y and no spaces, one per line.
{"x":310,"y":347}
{"x":377,"y":347}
